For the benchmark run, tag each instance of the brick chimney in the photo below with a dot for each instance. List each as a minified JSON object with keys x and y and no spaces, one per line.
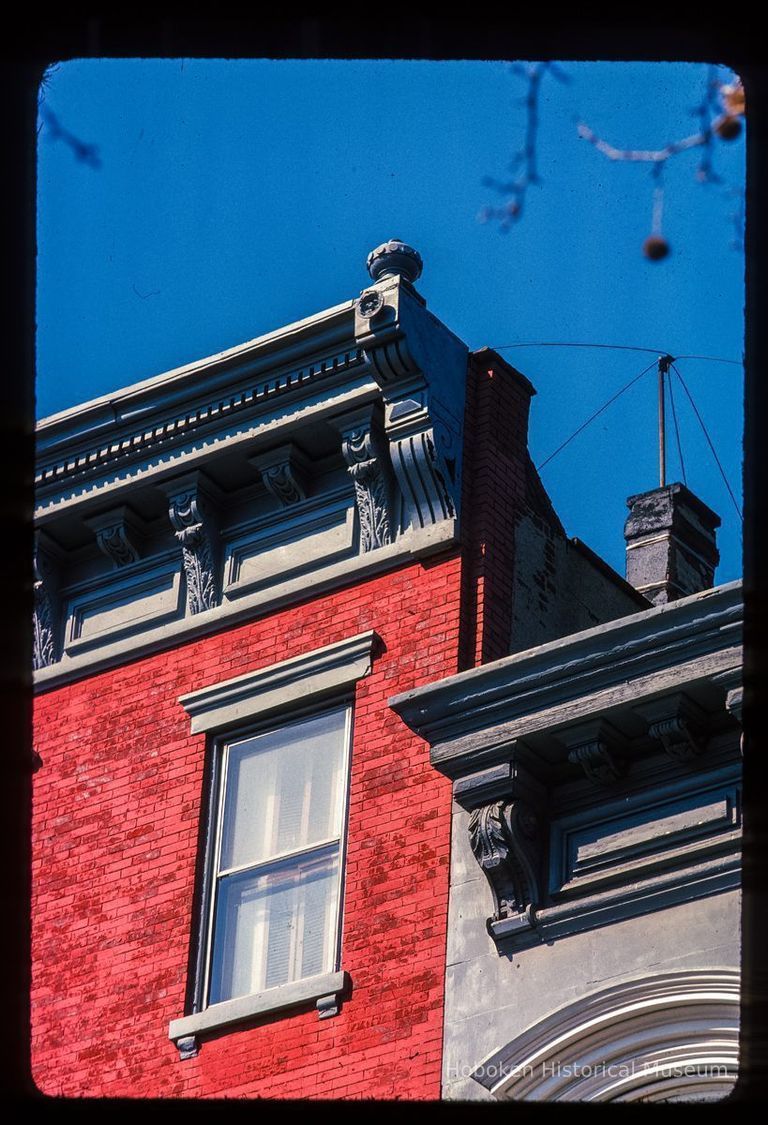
{"x":671,"y":549}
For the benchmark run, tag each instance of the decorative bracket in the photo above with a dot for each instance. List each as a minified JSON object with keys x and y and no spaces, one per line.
{"x":190,"y":509}
{"x":328,"y":1006}
{"x":505,"y":835}
{"x":285,"y":472}
{"x":678,"y":724}
{"x":420,"y":472}
{"x":118,"y":535}
{"x":188,"y":1047}
{"x":45,"y":643}
{"x":504,"y":840}
{"x":731,"y":681}
{"x":380,"y":312}
{"x":598,"y":748}
{"x":733,"y":703}
{"x":367,"y":463}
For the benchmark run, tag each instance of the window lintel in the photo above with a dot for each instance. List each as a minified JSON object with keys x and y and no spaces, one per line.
{"x":308,"y":675}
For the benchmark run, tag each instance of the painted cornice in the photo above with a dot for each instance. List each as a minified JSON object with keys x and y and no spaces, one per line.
{"x":600,"y":772}
{"x":335,"y":361}
{"x":165,"y":428}
{"x":363,"y":401}
{"x":283,"y":346}
{"x":533,"y":690}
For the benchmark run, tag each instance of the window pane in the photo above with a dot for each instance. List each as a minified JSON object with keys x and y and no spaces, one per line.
{"x":319,"y":905}
{"x":283,"y":790}
{"x":275,"y":927}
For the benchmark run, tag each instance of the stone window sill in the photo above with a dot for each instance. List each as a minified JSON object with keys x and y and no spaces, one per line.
{"x":325,"y":990}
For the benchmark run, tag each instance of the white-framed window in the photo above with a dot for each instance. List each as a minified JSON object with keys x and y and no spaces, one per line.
{"x":275,"y":884}
{"x":268,"y":932}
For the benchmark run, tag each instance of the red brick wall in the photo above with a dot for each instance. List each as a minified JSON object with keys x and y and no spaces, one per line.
{"x":494,"y":491}
{"x":117,"y":809}
{"x":116,"y":812}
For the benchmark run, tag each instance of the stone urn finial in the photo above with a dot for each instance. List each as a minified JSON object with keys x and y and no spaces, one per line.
{"x":394,"y":258}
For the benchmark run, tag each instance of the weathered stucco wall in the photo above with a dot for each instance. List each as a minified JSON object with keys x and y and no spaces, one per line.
{"x":492,"y":997}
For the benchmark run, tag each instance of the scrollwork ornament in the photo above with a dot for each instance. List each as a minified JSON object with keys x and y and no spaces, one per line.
{"x":43,"y":645}
{"x":188,"y":518}
{"x":198,"y":569}
{"x":282,"y":484}
{"x":365,"y":466}
{"x":44,"y":621}
{"x":116,"y":545}
{"x":503,"y":836}
{"x":678,"y":739}
{"x":599,"y":764}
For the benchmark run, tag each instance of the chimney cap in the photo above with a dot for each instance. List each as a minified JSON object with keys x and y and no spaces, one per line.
{"x":394,"y":258}
{"x":679,"y":494}
{"x":671,"y":543}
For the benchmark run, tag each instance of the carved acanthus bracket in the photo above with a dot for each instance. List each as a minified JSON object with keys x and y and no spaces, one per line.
{"x":678,"y":724}
{"x":190,"y":509}
{"x":403,"y":344}
{"x":365,"y":453}
{"x":118,"y":534}
{"x":45,"y":641}
{"x":504,"y":837}
{"x":420,"y":470}
{"x":506,"y":830}
{"x":598,"y":749}
{"x":285,"y":472}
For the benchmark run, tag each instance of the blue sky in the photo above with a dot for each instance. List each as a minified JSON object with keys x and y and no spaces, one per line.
{"x":231,"y":197}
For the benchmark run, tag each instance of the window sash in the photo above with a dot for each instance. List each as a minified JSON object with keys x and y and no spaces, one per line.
{"x":281,"y":789}
{"x":276,"y":927}
{"x":292,"y":859}
{"x":280,"y":858}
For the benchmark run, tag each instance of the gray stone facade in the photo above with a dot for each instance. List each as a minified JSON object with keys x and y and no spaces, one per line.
{"x":595,"y":859}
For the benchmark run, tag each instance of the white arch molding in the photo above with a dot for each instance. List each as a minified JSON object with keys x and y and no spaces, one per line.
{"x":671,"y":1037}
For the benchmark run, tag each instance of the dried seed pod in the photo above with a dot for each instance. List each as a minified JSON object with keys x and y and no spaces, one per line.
{"x":655,"y":247}
{"x":727,"y":127}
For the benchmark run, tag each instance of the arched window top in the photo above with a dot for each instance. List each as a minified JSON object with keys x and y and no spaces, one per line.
{"x":664,"y":1038}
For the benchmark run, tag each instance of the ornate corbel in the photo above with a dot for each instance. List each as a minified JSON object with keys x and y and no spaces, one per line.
{"x":504,"y":837}
{"x":731,"y":682}
{"x":676,"y":737}
{"x":45,"y":641}
{"x":421,"y":473}
{"x":190,"y":509}
{"x":365,"y":453}
{"x":118,"y":535}
{"x":677,"y":724}
{"x":285,"y":472}
{"x":598,"y":748}
{"x":505,"y":828}
{"x":403,"y":345}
